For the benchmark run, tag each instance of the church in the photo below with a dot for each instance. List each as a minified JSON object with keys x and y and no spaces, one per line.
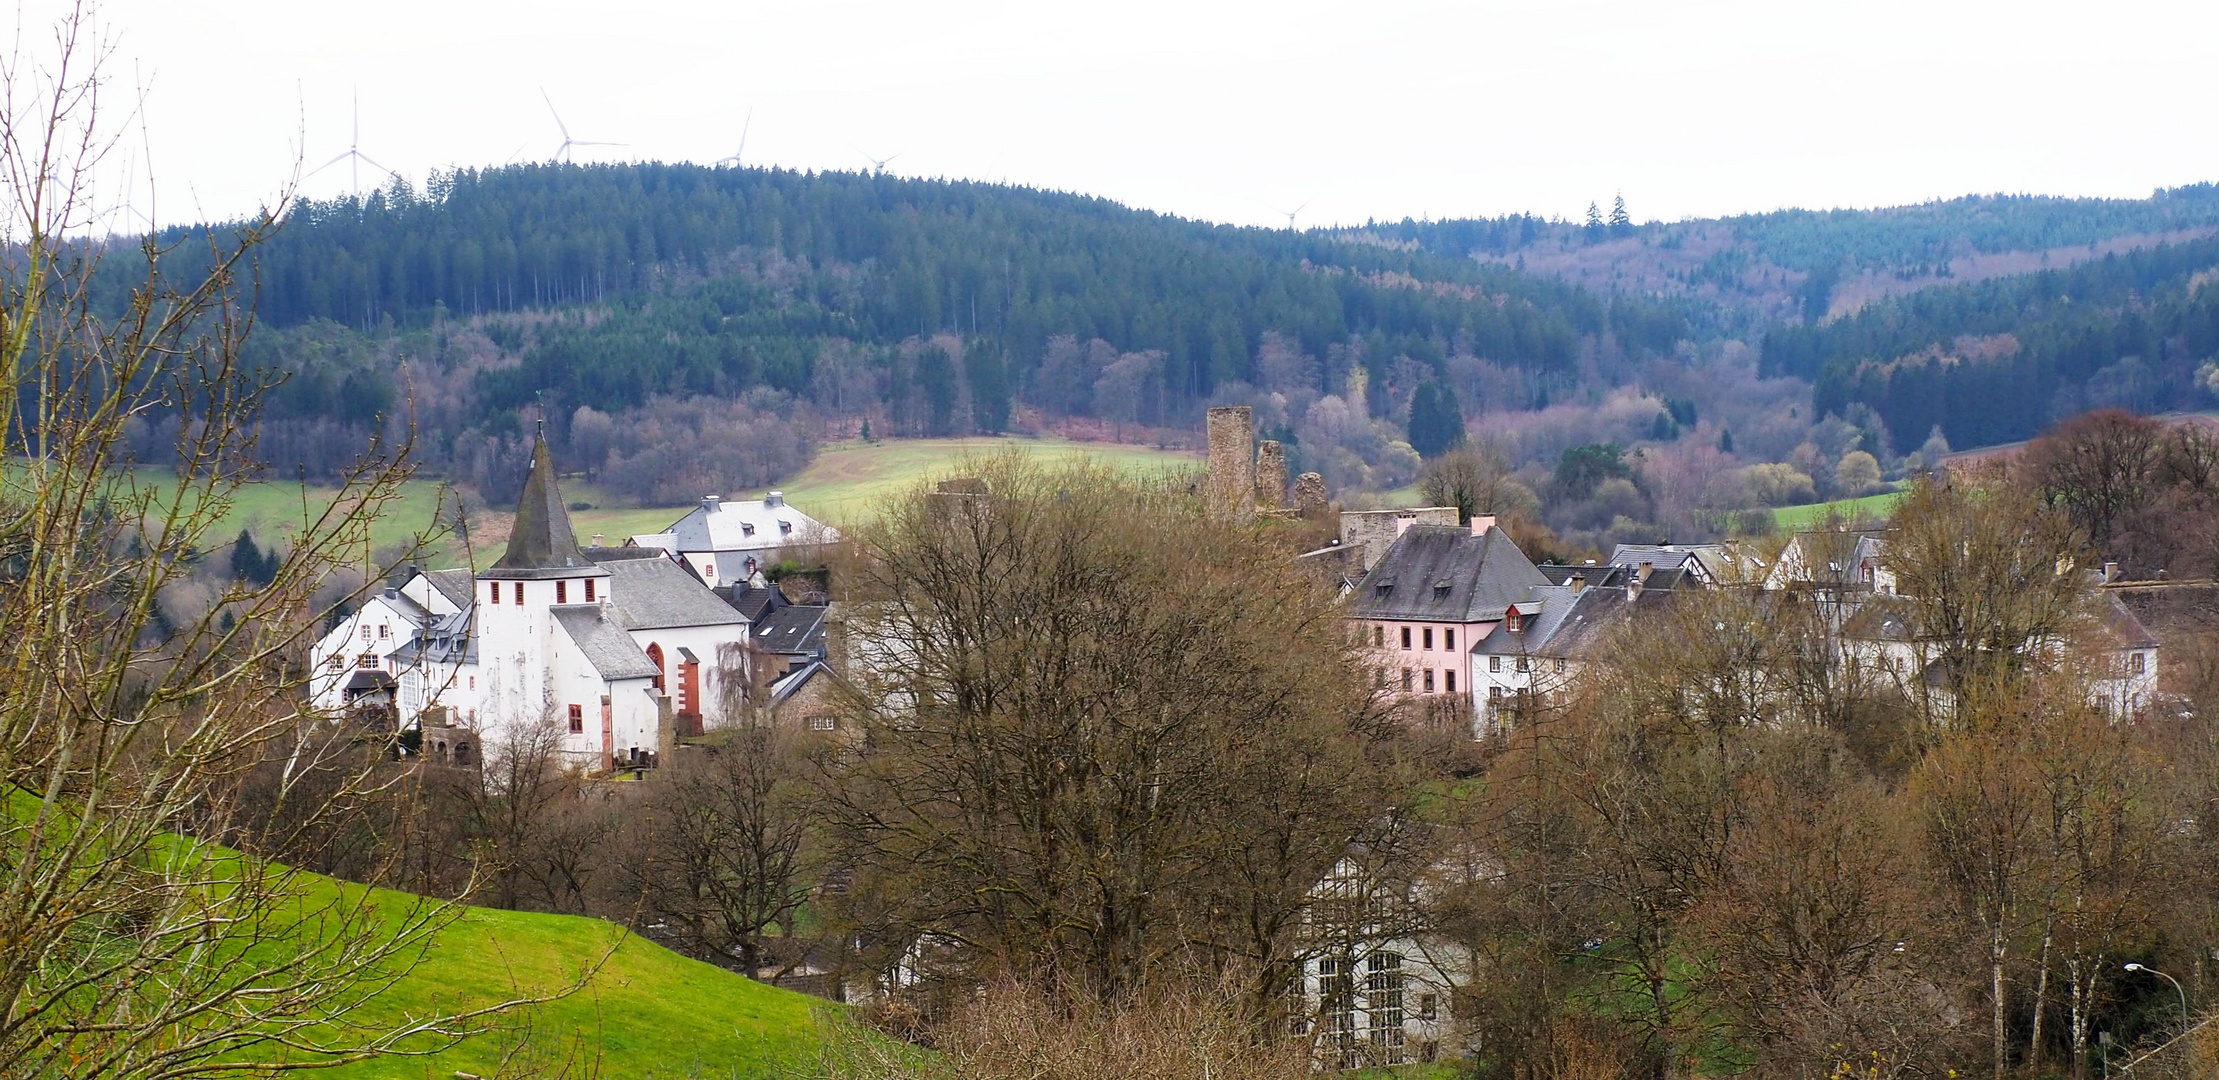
{"x":608,"y":649}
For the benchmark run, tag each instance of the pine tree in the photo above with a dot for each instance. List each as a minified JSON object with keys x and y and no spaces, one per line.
{"x":1726,"y":440}
{"x":1621,"y":223}
{"x":1594,"y":227}
{"x":1436,"y":421}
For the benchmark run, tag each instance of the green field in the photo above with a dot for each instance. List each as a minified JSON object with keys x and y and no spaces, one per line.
{"x":848,"y":479}
{"x":1791,"y":518}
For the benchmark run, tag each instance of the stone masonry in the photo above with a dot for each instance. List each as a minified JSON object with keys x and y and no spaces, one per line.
{"x":1309,"y":495}
{"x":1371,"y":532}
{"x":1230,"y":489}
{"x":1271,"y":475}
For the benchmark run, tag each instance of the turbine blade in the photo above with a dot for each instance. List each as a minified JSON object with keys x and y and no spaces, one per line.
{"x":559,"y":126}
{"x":329,"y":164}
{"x":375,"y":165}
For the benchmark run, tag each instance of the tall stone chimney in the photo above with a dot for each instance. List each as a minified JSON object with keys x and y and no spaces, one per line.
{"x":1229,"y":491}
{"x":1271,"y":475}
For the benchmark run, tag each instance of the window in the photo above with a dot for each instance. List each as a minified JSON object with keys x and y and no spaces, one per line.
{"x":2134,"y":663}
{"x":1379,"y":678}
{"x":1429,"y":1006}
{"x":1513,"y":620}
{"x":1405,"y":680}
{"x":496,"y":592}
{"x":1494,"y":691}
{"x":1383,"y":1000}
{"x":366,"y":660}
{"x":1428,"y":637}
{"x":336,"y":662}
{"x":365,"y":633}
{"x":709,"y":569}
{"x":1429,"y":680}
{"x":385,"y":630}
{"x":1379,"y":636}
{"x":1448,"y":639}
{"x":562,"y":592}
{"x":1525,"y":663}
{"x":1494,"y":663}
{"x":1560,"y":665}
{"x":1405,"y":637}
{"x":1337,"y":1009}
{"x":519,"y":594}
{"x":823,"y":723}
{"x":577,"y":719}
{"x":1450,"y":675}
{"x":473,"y":682}
{"x":589,"y":590}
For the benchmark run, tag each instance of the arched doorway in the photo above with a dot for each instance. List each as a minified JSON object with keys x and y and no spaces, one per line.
{"x":655,"y":653}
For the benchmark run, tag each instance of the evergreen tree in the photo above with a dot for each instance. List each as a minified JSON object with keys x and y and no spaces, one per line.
{"x":1725,"y":440}
{"x":1621,"y":223}
{"x":1436,"y":421}
{"x":249,"y":563}
{"x":1594,"y":227}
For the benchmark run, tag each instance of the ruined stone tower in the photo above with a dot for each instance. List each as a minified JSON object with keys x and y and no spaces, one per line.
{"x":1271,"y":475}
{"x":1309,"y":495}
{"x":1230,"y":489}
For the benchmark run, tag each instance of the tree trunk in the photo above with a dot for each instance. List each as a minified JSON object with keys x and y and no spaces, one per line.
{"x":2041,"y":999}
{"x":1998,"y":950}
{"x":2083,"y":1000}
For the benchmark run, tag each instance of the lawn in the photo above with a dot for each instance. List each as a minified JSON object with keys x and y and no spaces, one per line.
{"x":1791,"y":518}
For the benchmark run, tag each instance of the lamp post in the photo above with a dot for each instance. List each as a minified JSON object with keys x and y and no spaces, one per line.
{"x":2176,"y":987}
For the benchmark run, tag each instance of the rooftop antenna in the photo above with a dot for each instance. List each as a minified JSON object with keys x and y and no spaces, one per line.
{"x":1291,"y":213}
{"x":562,"y":153}
{"x":878,"y":165}
{"x":734,"y":160}
{"x":354,"y":154}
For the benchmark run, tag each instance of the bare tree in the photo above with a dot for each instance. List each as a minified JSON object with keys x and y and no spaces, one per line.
{"x":129,"y":949}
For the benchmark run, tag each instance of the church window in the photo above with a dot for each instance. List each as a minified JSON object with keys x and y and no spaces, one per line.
{"x":577,"y":719}
{"x":562,"y":592}
{"x":519,"y":594}
{"x":655,"y":656}
{"x":589,"y":590}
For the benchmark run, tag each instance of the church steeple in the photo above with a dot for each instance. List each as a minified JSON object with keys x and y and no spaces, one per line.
{"x":541,"y":539}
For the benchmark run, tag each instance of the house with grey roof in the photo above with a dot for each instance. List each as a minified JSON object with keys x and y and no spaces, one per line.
{"x":1437,"y":592}
{"x":730,"y":540}
{"x":618,"y":651}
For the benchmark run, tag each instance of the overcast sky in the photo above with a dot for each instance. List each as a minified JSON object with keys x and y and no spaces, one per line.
{"x":1230,"y":112}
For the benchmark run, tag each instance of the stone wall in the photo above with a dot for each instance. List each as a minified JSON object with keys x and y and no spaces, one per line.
{"x":1271,"y":475}
{"x":1371,"y":532}
{"x":1230,"y":489}
{"x":1309,"y":495}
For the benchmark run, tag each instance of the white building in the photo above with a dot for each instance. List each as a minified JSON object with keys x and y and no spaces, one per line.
{"x":601,"y":651}
{"x":727,"y":542}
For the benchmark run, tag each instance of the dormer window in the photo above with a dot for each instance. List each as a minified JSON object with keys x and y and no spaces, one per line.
{"x":747,"y":529}
{"x":785,"y":526}
{"x":1513,"y":620}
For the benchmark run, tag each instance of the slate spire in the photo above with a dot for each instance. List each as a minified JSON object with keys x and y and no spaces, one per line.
{"x":541,"y":538}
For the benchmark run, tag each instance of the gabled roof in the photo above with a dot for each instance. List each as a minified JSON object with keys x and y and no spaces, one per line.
{"x":2125,"y":630}
{"x":657,"y":593}
{"x":1442,"y":573}
{"x":1593,"y":617}
{"x":794,"y":630}
{"x":746,"y":525}
{"x":540,"y":542}
{"x":606,"y":645}
{"x":1880,"y":618}
{"x":754,"y":601}
{"x":456,"y":585}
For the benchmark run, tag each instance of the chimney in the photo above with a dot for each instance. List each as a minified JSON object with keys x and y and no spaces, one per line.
{"x":836,"y":640}
{"x":711,"y":502}
{"x":775,"y":498}
{"x":1578,"y":582}
{"x":596,"y":539}
{"x":2110,"y":572}
{"x":1639,"y":580}
{"x":1481,"y":523}
{"x":666,"y":731}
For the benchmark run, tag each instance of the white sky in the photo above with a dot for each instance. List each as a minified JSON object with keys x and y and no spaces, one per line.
{"x":1225,"y":111}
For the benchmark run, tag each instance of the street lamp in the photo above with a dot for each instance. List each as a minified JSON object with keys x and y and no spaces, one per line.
{"x":2176,"y":988}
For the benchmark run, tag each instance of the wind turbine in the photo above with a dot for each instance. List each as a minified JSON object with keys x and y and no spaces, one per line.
{"x":562,"y":153}
{"x":734,"y":160}
{"x":1291,"y":213}
{"x":354,"y":154}
{"x":878,"y":165}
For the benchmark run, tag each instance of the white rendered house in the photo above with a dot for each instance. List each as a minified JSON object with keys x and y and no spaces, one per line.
{"x":606,"y":653}
{"x":727,"y":542}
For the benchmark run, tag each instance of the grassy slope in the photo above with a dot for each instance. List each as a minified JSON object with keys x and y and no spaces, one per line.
{"x":648,"y":1013}
{"x":1803,"y":517}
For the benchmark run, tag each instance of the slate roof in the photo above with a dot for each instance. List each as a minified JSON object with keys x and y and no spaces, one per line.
{"x":1596,"y":615}
{"x":794,"y":630}
{"x":606,"y":645}
{"x":753,"y":603}
{"x":2127,"y":631}
{"x":456,"y":585}
{"x":541,"y":544}
{"x":747,"y":525}
{"x":1880,"y":619}
{"x":1442,"y":573}
{"x":657,"y":593}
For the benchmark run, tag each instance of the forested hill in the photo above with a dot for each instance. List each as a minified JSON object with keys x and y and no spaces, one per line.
{"x":752,"y":271}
